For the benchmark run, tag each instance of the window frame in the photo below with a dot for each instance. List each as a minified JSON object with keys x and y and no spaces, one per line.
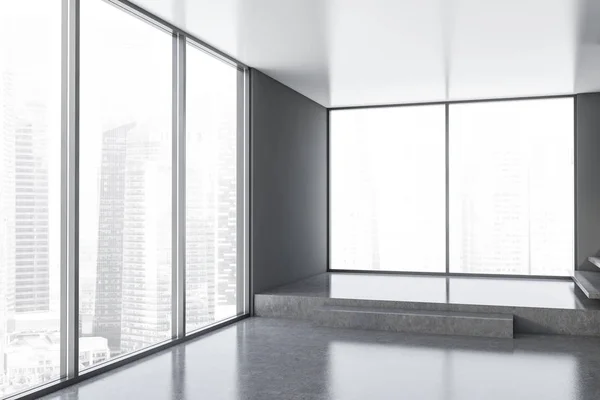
{"x":442,"y":109}
{"x":242,"y":183}
{"x":69,"y":202}
{"x":447,"y":272}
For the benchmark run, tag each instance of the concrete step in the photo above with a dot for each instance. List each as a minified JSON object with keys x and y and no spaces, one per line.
{"x":416,"y":321}
{"x":589,"y":283}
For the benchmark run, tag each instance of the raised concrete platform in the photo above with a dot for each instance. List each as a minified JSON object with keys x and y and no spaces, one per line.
{"x":413,"y":321}
{"x":539,"y":306}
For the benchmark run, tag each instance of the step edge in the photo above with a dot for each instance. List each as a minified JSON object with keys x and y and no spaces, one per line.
{"x":581,"y":280}
{"x":424,"y":313}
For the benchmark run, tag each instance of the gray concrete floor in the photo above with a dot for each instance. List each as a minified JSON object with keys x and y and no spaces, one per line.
{"x":261,"y":358}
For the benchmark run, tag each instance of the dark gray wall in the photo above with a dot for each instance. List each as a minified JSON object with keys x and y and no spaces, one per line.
{"x":288,"y":184}
{"x":587,"y":156}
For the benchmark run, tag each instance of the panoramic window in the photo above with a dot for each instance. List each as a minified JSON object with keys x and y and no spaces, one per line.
{"x":87,"y":92}
{"x":388,"y":204}
{"x":511,"y":187}
{"x":212,"y":225}
{"x":30,"y":193}
{"x":125,"y":184}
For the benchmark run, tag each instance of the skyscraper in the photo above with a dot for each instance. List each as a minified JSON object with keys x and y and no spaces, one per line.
{"x":201,"y":252}
{"x":24,"y":202}
{"x":133,"y":269}
{"x":7,"y":215}
{"x":146,"y":307}
{"x":226,"y":233}
{"x":109,"y":264}
{"x":24,"y":222}
{"x":32,"y":279}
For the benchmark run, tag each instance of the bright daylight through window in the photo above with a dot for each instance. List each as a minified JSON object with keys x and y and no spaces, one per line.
{"x":388,"y":202}
{"x":125,"y":182}
{"x":126,"y":213}
{"x":511,"y":187}
{"x":511,"y":194}
{"x":212,"y":256}
{"x":30,"y":187}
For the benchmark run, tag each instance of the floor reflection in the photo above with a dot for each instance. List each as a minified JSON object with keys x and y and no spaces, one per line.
{"x":281,"y":359}
{"x":517,"y":292}
{"x":361,"y":370}
{"x":388,"y":287}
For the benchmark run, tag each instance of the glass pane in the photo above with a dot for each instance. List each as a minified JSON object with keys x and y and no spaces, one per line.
{"x":511,"y":187}
{"x":30,"y":190}
{"x":388,"y":202}
{"x":125,"y":184}
{"x":211,"y":189}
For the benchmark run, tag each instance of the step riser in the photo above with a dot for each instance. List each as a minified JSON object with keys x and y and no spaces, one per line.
{"x":527,"y":320}
{"x":419,"y":324}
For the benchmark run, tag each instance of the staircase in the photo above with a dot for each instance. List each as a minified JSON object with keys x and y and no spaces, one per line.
{"x":589,"y":281}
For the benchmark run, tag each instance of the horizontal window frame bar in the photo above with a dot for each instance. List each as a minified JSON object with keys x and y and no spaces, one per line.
{"x":201,"y":47}
{"x":451,"y":102}
{"x":447,"y":105}
{"x":172,"y":29}
{"x":450,"y":274}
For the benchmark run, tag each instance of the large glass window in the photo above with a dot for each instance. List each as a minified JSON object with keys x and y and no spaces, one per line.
{"x":30,"y":193}
{"x":388,"y":204}
{"x":125,"y":184}
{"x":511,"y":187}
{"x":212,"y":224}
{"x":87,"y":98}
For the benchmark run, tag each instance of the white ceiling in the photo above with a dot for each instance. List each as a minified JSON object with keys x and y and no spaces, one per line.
{"x":360,"y":52}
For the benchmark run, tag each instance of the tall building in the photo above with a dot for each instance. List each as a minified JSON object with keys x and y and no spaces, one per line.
{"x":212,"y":223}
{"x":32,"y":275}
{"x":132,"y":307}
{"x":146,"y":306}
{"x":109,"y":264}
{"x":201,"y":252}
{"x":24,"y":226}
{"x":226,"y":232}
{"x":24,"y":202}
{"x":7,"y":215}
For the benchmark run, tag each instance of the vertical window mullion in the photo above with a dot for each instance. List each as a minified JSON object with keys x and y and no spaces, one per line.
{"x":447,"y":172}
{"x":69,"y":190}
{"x":243,"y":288}
{"x":178,"y":187}
{"x":447,"y":187}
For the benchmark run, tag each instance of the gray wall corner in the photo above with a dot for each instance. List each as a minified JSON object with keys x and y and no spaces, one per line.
{"x":587,"y":167}
{"x":289,"y":175}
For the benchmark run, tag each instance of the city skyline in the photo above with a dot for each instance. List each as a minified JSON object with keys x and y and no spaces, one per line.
{"x":125,"y":239}
{"x":119,"y":216}
{"x":29,"y":207}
